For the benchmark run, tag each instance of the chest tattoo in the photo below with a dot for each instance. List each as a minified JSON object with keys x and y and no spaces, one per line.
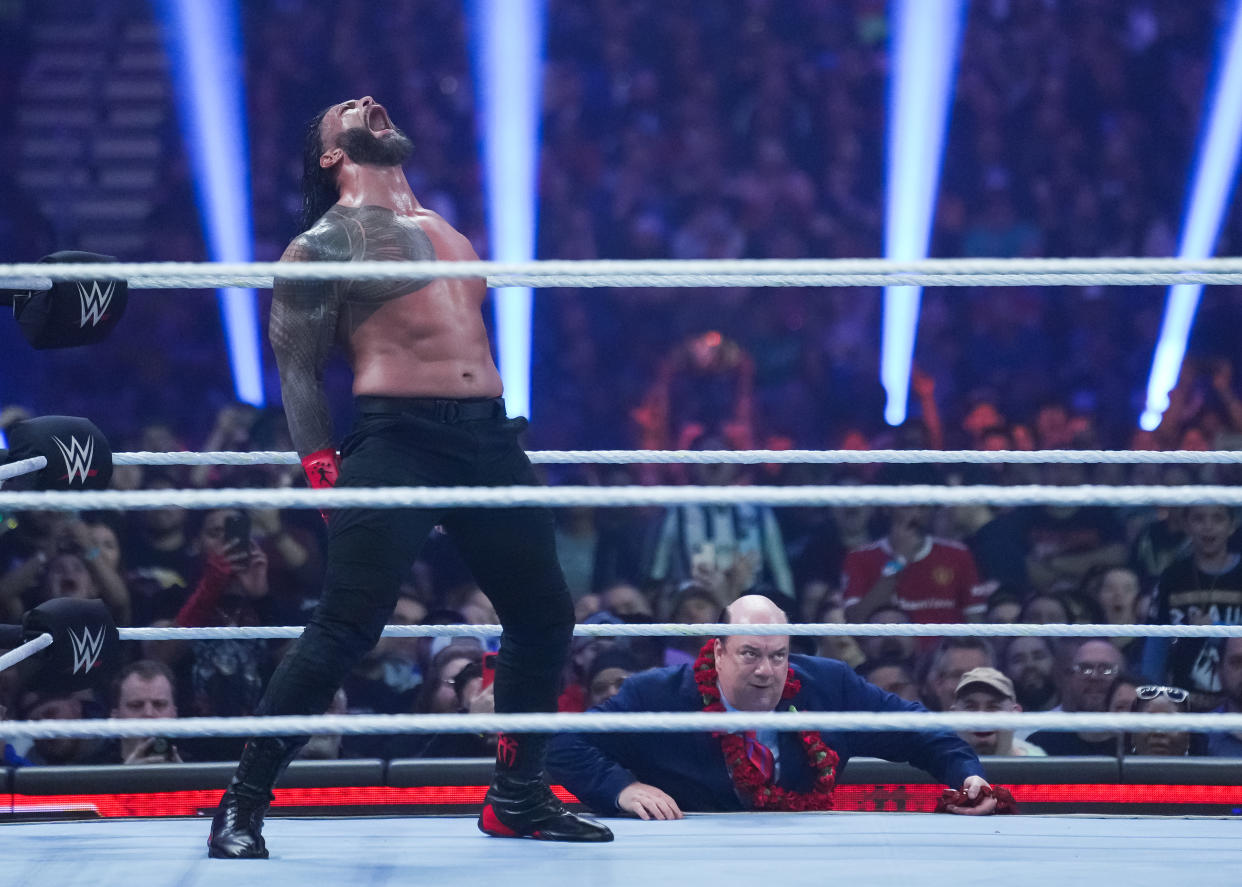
{"x":371,"y":234}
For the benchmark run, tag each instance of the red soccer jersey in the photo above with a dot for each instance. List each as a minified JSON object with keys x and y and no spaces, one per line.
{"x":940,"y":584}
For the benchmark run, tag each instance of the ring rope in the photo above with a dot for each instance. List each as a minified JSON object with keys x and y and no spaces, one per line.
{"x":22,"y":466}
{"x":610,"y":722}
{"x":677,"y":629}
{"x":665,"y":273}
{"x":25,"y":651}
{"x":621,"y":496}
{"x":753,"y":457}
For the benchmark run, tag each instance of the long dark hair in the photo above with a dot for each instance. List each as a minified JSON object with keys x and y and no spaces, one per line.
{"x":318,"y":186}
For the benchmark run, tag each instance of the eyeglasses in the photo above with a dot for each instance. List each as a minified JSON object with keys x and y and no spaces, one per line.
{"x":1095,"y":669}
{"x":1149,"y":692}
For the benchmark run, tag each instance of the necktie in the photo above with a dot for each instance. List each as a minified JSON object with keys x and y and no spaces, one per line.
{"x":759,"y":755}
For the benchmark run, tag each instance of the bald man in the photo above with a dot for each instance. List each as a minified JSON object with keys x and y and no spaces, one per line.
{"x":660,"y":775}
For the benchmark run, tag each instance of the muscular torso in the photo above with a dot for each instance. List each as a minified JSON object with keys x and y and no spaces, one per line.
{"x":412,"y":338}
{"x":404,"y":338}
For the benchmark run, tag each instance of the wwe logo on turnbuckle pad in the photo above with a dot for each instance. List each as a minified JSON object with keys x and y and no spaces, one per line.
{"x":95,"y":301}
{"x":78,"y":457}
{"x":86,"y":649}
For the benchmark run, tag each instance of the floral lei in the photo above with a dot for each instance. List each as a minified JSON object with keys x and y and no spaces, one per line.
{"x":746,"y":776}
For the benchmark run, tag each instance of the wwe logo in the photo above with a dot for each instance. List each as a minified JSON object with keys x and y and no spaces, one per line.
{"x":78,"y":457}
{"x":86,"y":649}
{"x":95,"y":301}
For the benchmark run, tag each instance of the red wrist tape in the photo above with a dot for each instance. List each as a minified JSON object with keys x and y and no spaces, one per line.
{"x":322,"y":468}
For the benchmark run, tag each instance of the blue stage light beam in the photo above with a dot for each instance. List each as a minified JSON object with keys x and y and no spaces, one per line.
{"x":1216,"y":170}
{"x":507,"y":54}
{"x":925,"y":42}
{"x":204,"y":44}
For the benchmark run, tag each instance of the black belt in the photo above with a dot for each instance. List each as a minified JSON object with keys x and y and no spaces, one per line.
{"x":447,"y":410}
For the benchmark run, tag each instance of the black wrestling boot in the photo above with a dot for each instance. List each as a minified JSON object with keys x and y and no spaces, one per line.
{"x":237,"y":829}
{"x":519,"y":803}
{"x":526,"y":808}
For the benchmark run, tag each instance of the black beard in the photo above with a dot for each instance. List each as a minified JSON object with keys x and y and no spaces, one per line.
{"x":363,"y":146}
{"x":1037,"y":697}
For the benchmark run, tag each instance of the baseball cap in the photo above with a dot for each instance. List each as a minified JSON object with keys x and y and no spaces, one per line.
{"x":988,"y":677}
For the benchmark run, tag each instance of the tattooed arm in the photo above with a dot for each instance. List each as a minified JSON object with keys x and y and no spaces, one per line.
{"x":302,"y":331}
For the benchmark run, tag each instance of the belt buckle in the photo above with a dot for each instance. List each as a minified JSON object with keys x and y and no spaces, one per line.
{"x":450,"y":411}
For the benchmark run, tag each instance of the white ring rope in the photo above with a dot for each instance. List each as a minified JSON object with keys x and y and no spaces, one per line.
{"x":755,"y":457}
{"x":620,"y":497}
{"x":612,"y":722}
{"x":22,"y":466}
{"x":677,"y":629}
{"x":667,"y":273}
{"x":25,"y":651}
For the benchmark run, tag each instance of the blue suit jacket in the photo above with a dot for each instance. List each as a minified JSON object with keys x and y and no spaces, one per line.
{"x":690,"y":766}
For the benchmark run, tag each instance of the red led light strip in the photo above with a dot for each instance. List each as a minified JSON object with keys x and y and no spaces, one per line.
{"x":922,"y":798}
{"x":909,"y":798}
{"x":189,"y":803}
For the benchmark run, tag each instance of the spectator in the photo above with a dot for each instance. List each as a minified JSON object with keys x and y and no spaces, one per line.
{"x":694,"y":604}
{"x":582,"y":653}
{"x":294,"y":567}
{"x":457,"y":678}
{"x":625,"y":601}
{"x":995,"y":541}
{"x":891,"y":646}
{"x":97,"y":547}
{"x":707,"y":378}
{"x":1029,"y":663}
{"x":1203,"y":587}
{"x":1159,"y":542}
{"x":1229,"y":745}
{"x":1004,"y":605}
{"x":1085,"y":688}
{"x":158,"y":537}
{"x":231,"y":432}
{"x":657,"y":776}
{"x":442,"y":694}
{"x":608,"y":672}
{"x":1157,"y":698}
{"x":837,"y":646}
{"x":157,"y":551}
{"x":42,"y":705}
{"x":1115,"y":591}
{"x":223,"y":677}
{"x":987,"y":690}
{"x":143,"y":689}
{"x":104,"y":539}
{"x":892,"y":676}
{"x":1123,"y":692}
{"x":1065,"y":542}
{"x":1046,"y":609}
{"x":71,"y":575}
{"x":387,"y":679}
{"x":930,"y":579}
{"x":597,"y":547}
{"x":439,"y":690}
{"x":732,"y":549}
{"x":950,"y":660}
{"x":25,"y":551}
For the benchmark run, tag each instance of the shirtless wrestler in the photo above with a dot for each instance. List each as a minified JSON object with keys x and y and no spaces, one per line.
{"x":429,"y":413}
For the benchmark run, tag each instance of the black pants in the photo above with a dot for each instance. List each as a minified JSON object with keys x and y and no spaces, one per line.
{"x":511,"y":552}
